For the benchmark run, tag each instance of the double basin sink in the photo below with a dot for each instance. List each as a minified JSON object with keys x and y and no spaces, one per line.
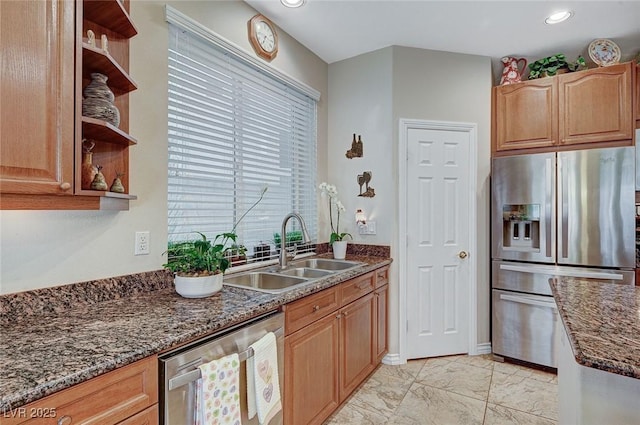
{"x":273,"y":279}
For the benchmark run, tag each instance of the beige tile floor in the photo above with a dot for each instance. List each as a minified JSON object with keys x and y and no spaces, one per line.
{"x":454,"y":390}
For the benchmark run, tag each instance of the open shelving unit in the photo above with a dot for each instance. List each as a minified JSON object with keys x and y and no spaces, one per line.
{"x":111,"y":150}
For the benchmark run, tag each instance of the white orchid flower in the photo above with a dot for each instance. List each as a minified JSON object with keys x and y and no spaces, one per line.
{"x":340,"y":207}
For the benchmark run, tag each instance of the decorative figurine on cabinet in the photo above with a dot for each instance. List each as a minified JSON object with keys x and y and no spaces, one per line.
{"x":117,"y":185}
{"x":91,"y":38}
{"x":99,"y":182}
{"x":89,"y":170}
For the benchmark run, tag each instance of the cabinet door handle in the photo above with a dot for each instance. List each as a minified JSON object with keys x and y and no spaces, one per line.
{"x":345,"y":313}
{"x":362,"y":285}
{"x":65,"y":185}
{"x":65,"y":420}
{"x":316,"y":307}
{"x":338,"y":316}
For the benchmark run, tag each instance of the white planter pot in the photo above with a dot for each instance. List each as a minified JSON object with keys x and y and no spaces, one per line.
{"x":339,"y":250}
{"x":198,"y":287}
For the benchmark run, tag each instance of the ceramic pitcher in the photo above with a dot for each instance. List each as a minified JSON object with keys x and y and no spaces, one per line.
{"x":511,"y":72}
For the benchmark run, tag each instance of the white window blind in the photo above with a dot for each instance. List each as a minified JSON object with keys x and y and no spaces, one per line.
{"x":233,"y":130}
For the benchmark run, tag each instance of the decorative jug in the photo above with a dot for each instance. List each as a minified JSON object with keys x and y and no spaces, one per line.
{"x":511,"y":73}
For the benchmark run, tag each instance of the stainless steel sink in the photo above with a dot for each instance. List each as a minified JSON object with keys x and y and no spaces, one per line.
{"x":273,"y":279}
{"x":305,"y":272}
{"x":326,"y":264}
{"x":266,"y":282}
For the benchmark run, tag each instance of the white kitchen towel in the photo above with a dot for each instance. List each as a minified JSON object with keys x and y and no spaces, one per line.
{"x":218,"y":392}
{"x":263,"y":386}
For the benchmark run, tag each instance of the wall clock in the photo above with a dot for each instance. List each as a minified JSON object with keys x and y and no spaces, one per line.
{"x":263,"y":37}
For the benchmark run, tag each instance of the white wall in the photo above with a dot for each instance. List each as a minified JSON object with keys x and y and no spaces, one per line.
{"x":360,"y":102}
{"x":434,"y":85}
{"x":368,"y":94}
{"x":49,"y":248}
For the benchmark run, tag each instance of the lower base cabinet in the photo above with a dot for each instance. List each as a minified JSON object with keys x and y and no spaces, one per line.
{"x":312,"y":372}
{"x":326,"y":360}
{"x":357,"y":349}
{"x":128,"y":395}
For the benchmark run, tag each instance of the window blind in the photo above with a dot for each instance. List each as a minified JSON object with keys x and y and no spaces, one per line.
{"x":234,"y":130}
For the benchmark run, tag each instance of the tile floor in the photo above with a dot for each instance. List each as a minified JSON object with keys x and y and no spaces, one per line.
{"x":454,"y":390}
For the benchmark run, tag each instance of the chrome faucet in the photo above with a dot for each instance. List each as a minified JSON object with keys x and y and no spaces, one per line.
{"x":283,"y":237}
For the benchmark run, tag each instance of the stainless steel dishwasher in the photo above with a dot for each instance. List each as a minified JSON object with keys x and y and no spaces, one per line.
{"x":179,"y":368}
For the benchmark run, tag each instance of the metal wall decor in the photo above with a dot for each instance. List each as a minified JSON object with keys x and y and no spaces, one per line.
{"x":356,"y":148}
{"x":364,"y":179}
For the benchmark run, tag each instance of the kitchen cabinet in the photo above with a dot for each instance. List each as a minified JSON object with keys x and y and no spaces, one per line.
{"x":37,"y":104}
{"x":312,"y":372}
{"x":525,"y":115}
{"x":357,"y":343}
{"x":334,"y":340}
{"x":382,"y":313}
{"x":128,"y":395}
{"x":47,"y":62}
{"x":592,"y":108}
{"x":637,"y":96}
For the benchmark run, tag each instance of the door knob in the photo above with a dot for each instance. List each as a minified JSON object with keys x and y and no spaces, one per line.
{"x":463,"y":254}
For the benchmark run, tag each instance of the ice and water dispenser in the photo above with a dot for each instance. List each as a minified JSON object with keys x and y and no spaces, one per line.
{"x":521,"y":227}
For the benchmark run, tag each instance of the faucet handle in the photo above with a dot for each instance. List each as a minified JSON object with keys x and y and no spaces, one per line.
{"x":291,"y":252}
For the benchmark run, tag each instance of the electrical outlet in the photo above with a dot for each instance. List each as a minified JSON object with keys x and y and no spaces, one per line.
{"x":142,"y":243}
{"x":367,"y":229}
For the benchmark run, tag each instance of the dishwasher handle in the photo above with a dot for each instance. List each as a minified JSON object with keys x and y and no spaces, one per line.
{"x":194,"y":375}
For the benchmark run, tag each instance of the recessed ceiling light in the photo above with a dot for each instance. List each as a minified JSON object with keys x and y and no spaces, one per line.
{"x":557,"y":17}
{"x":292,"y":3}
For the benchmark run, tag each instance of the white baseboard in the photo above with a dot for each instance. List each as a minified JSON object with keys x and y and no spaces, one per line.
{"x":483,"y":348}
{"x":392,"y":360}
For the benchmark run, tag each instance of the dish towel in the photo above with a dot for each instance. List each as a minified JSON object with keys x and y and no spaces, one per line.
{"x":218,"y":392}
{"x":263,"y":386}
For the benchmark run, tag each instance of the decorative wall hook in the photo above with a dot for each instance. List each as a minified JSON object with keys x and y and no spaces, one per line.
{"x":364,"y":179}
{"x":356,"y":148}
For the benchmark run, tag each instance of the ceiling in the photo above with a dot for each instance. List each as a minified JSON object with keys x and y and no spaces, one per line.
{"x":339,"y":29}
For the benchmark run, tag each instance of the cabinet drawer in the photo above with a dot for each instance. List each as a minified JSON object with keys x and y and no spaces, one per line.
{"x":107,"y":399}
{"x":307,"y":310}
{"x":382,"y":277}
{"x":356,"y":288}
{"x":147,"y":417}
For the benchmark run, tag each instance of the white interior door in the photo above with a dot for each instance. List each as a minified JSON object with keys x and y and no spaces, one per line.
{"x":437,"y":241}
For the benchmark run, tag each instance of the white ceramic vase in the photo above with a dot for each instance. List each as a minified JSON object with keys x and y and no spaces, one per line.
{"x":339,"y":250}
{"x":198,"y":287}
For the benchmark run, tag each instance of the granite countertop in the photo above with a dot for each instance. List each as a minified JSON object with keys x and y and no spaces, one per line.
{"x":46,"y":352}
{"x":602,"y":321}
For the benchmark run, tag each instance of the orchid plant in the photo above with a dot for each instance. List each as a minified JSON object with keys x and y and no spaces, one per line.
{"x":331,"y":192}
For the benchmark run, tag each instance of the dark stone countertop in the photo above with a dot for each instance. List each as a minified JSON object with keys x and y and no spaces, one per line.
{"x":46,"y":352}
{"x":602,"y":321}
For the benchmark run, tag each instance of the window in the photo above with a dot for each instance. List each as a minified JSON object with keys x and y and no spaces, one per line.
{"x":234,"y":129}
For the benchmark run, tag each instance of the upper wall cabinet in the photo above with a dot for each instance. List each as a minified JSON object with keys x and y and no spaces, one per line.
{"x":525,"y":115}
{"x":638,"y":95}
{"x":565,"y":112}
{"x":37,"y":104}
{"x":47,"y":62}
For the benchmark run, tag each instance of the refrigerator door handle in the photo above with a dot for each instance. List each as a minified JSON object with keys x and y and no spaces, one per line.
{"x":548,"y":170}
{"x":537,"y":301}
{"x":562,"y":272}
{"x":563,"y":204}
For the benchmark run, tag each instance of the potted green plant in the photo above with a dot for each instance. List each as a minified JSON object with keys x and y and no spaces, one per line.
{"x":337,"y":239}
{"x":199,"y":264}
{"x":547,"y":66}
{"x":293,"y":237}
{"x":237,"y":254}
{"x":551,"y":65}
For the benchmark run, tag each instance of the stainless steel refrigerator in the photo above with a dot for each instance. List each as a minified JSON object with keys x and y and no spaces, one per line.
{"x":555,"y":214}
